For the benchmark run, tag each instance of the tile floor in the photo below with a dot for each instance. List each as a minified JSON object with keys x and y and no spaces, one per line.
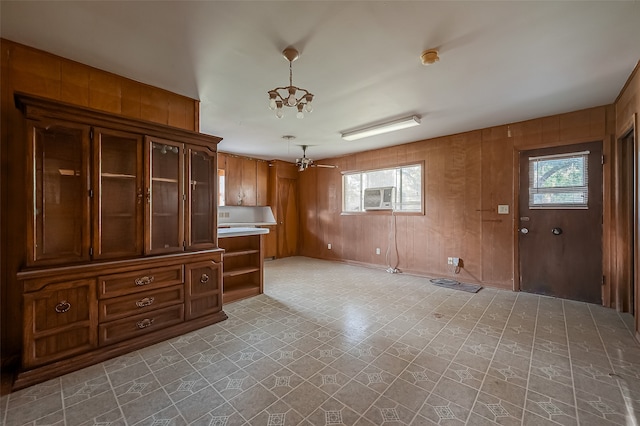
{"x":333,"y":344}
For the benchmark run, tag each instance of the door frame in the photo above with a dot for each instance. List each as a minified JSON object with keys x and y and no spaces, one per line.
{"x":608,"y":257}
{"x":631,"y":128}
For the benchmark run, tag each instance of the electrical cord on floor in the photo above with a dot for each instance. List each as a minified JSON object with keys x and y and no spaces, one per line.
{"x":392,"y":236}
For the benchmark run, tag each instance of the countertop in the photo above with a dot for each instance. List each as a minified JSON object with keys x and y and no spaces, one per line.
{"x":240,"y":232}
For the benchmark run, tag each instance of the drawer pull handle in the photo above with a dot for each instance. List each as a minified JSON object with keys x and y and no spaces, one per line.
{"x":144,"y":280}
{"x":147,"y":301}
{"x":145,"y":323}
{"x":63,"y":307}
{"x":204,"y":278}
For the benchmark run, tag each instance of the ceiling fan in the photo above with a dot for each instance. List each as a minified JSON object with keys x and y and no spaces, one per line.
{"x":304,"y":162}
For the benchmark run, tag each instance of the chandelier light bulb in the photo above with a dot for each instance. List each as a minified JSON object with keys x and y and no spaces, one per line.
{"x":291,"y":100}
{"x":272,"y":101}
{"x":279,"y":113}
{"x":300,"y":114}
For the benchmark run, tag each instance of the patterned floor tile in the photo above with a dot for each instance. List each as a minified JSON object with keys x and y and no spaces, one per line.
{"x":496,"y":410}
{"x":357,"y":396}
{"x":305,"y":399}
{"x":253,"y":400}
{"x":282,"y":382}
{"x":333,"y":412}
{"x":357,"y":346}
{"x":277,"y":414}
{"x":442,"y":411}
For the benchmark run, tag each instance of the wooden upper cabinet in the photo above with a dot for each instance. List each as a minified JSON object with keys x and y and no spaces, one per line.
{"x":262,"y":183}
{"x":165,"y":196}
{"x":103,"y":187}
{"x":233,"y":192}
{"x":240,"y":181}
{"x":58,"y":208}
{"x":118,"y":199}
{"x":249,"y":182}
{"x":246,"y":181}
{"x":201,"y":203}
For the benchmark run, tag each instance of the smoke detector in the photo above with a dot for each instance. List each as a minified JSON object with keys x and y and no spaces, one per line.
{"x":429,"y":57}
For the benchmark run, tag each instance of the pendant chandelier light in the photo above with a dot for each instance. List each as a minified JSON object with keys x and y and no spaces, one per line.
{"x":290,"y":96}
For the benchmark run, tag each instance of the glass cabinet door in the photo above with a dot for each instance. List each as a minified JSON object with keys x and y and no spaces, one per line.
{"x":59,"y":223}
{"x":202,"y":171}
{"x":165,"y":196}
{"x":118,"y":183}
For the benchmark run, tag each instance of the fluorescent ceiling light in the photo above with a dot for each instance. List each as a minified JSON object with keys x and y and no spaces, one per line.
{"x":391,"y":126}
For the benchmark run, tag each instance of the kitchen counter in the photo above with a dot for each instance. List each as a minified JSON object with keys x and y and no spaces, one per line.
{"x":240,"y":232}
{"x":243,"y":261}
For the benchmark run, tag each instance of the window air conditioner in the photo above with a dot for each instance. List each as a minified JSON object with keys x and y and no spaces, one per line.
{"x":379,"y":198}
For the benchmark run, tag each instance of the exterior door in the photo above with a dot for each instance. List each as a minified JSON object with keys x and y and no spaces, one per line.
{"x":560,"y":222}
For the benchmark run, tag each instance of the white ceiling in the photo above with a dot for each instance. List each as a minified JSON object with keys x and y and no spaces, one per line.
{"x":500,"y":61}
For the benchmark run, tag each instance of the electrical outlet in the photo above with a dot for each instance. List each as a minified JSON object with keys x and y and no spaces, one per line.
{"x":449,"y":260}
{"x":378,"y":250}
{"x":329,"y":246}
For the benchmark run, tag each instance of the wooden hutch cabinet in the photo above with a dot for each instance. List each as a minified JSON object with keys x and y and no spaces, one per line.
{"x":122,"y":247}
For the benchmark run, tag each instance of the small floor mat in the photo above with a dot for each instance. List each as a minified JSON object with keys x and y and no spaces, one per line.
{"x":456,"y":285}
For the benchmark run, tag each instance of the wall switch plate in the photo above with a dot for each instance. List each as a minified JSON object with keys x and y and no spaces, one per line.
{"x":449,"y":260}
{"x":329,"y":246}
{"x":503,"y":209}
{"x":378,"y":250}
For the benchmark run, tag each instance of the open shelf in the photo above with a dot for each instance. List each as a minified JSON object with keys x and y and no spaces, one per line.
{"x":240,"y":252}
{"x":240,"y":271}
{"x":239,"y":291}
{"x":242,"y":266}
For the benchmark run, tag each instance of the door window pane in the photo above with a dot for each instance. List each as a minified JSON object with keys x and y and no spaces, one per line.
{"x":559,"y":181}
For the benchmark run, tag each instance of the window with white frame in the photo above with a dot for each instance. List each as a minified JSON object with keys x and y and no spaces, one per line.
{"x":407,"y":181}
{"x":559,"y":181}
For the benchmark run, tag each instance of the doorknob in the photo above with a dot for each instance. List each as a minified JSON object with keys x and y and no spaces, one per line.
{"x":556,"y":231}
{"x":524,"y":231}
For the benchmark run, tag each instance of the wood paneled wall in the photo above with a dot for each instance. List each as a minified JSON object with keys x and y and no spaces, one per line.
{"x":466,"y":176}
{"x":43,"y":74}
{"x":32,"y":71}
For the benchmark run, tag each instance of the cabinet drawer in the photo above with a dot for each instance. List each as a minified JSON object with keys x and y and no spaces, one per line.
{"x":203,"y":278}
{"x":142,"y":280}
{"x":133,"y":304}
{"x":139,"y":325}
